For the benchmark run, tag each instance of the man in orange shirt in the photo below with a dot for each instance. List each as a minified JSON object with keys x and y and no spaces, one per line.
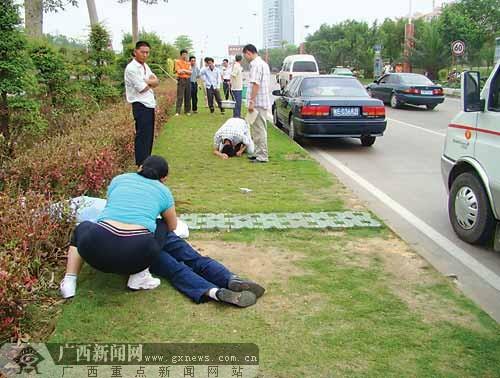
{"x":183,"y":71}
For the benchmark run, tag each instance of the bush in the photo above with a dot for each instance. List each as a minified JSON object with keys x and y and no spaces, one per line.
{"x":80,"y":161}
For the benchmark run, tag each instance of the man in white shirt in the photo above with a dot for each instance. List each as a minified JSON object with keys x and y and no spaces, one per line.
{"x":212,"y":78}
{"x":259,"y":102}
{"x":139,"y":84}
{"x":237,"y":85}
{"x":226,"y":78}
{"x":233,"y":139}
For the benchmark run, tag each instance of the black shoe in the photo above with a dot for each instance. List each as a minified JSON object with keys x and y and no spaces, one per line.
{"x":240,"y":299}
{"x":251,"y":157}
{"x":239,"y":284}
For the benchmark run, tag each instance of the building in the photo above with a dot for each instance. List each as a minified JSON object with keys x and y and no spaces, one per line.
{"x":278,"y":23}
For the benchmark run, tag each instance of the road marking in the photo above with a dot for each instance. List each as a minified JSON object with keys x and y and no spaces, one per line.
{"x":461,"y":255}
{"x":416,"y":127}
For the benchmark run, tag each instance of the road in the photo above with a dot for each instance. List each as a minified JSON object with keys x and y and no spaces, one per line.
{"x":400,"y":180}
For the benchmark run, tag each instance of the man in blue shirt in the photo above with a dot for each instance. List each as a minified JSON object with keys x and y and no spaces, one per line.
{"x":213,"y":79}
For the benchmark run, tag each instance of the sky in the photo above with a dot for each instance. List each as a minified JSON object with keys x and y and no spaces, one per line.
{"x":214,"y":24}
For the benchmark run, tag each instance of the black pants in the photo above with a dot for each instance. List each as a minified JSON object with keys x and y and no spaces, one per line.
{"x":226,"y":85}
{"x":144,"y":118}
{"x":211,"y":93}
{"x":194,"y":96}
{"x":113,"y":250}
{"x":183,"y":94}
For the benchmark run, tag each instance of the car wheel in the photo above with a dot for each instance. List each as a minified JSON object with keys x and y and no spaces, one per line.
{"x":431,"y":107}
{"x":292,"y":132}
{"x":469,"y":209}
{"x":395,"y":102}
{"x":368,"y":141}
{"x":275,"y":117}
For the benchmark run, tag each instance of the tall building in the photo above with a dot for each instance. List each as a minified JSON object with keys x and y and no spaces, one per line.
{"x":278,"y":22}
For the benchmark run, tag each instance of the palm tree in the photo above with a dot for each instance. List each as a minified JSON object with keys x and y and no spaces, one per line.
{"x":430,"y":52}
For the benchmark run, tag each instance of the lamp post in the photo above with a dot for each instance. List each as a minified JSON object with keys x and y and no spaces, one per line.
{"x":409,"y":36}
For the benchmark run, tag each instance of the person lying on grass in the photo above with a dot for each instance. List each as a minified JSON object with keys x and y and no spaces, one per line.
{"x":233,"y":139}
{"x":129,"y":239}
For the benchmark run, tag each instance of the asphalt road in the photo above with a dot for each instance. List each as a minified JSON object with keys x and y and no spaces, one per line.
{"x":400,"y":180}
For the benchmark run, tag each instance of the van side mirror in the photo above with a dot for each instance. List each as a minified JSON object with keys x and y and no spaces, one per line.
{"x":471,"y":92}
{"x":277,"y":92}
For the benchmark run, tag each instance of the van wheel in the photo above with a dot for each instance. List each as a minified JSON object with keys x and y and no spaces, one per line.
{"x":469,"y":210}
{"x":368,"y":141}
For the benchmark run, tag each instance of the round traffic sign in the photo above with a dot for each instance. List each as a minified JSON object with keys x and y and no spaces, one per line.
{"x":458,"y":48}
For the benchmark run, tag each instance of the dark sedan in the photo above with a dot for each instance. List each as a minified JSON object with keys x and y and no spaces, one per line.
{"x":398,"y":89}
{"x":329,"y":107}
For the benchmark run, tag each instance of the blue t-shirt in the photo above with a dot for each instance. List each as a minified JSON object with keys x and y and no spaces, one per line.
{"x":134,"y":199}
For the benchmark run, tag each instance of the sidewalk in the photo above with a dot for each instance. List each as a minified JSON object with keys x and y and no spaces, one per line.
{"x":338,"y":303}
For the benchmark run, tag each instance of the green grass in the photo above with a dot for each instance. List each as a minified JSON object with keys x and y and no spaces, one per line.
{"x":201,"y":182}
{"x":336,"y":304}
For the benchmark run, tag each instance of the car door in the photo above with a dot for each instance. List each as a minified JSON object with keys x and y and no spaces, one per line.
{"x":386,"y":86}
{"x":487,"y":149}
{"x":285,"y":102}
{"x":377,"y":87}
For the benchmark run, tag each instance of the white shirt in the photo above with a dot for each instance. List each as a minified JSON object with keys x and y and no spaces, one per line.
{"x":237,"y":131}
{"x":226,"y":73}
{"x":211,"y":77}
{"x":136,"y":75}
{"x":260,"y":74}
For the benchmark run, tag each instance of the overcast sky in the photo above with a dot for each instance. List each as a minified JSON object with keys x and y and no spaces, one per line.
{"x":212,"y":24}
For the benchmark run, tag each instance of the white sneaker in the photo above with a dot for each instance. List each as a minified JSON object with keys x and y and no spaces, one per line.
{"x":67,"y":288}
{"x":177,"y":114}
{"x":143,"y":280}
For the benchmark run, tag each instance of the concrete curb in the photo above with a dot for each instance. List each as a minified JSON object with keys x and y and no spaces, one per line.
{"x":451,"y":92}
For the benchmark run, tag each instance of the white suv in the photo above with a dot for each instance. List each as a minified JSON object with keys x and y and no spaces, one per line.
{"x":471,"y":161}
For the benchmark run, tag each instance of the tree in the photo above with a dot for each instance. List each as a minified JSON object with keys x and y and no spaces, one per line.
{"x":184,"y":42}
{"x":276,"y":56}
{"x":34,"y":9}
{"x":92,"y":12}
{"x":430,"y":52}
{"x":14,"y":63}
{"x":135,"y":19}
{"x":391,"y":35}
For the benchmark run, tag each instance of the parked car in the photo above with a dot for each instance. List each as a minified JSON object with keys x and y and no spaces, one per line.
{"x":329,"y":107}
{"x":296,"y":65}
{"x":470,"y":161}
{"x":398,"y":89}
{"x":342,"y":71}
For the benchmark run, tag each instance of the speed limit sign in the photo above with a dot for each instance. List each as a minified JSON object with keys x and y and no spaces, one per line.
{"x":458,"y":48}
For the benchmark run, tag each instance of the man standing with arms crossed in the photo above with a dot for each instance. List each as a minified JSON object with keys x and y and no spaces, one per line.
{"x":183,"y":70}
{"x":139,"y":84}
{"x":259,"y":102}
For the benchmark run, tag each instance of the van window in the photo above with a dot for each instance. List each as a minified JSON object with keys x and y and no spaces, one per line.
{"x":304,"y":67}
{"x":494,"y":103}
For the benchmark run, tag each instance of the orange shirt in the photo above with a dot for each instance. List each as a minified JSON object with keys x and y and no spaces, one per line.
{"x":181,"y":64}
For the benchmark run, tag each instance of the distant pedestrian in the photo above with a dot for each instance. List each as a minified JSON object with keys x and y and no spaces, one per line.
{"x":212,"y":78}
{"x":183,"y":71}
{"x":195,"y":75}
{"x":259,"y":102}
{"x":237,"y":84}
{"x":226,"y":77}
{"x":139,"y":84}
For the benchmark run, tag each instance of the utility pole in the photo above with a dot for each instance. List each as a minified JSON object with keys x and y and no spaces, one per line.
{"x":409,"y":38}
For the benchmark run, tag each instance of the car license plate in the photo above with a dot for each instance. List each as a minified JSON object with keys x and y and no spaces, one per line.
{"x":427,"y":93}
{"x":346,"y":112}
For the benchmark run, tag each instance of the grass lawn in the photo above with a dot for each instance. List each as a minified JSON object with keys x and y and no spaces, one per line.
{"x":338,"y":303}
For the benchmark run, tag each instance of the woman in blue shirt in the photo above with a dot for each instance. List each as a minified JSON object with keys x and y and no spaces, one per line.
{"x":123,"y":239}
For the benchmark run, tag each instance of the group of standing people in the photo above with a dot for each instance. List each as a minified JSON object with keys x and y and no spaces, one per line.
{"x":136,"y":233}
{"x":230,"y":77}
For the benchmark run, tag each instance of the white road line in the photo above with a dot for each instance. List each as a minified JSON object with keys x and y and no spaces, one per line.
{"x":416,"y":127}
{"x":486,"y":274}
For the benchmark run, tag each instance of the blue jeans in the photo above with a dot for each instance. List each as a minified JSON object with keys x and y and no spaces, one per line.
{"x":237,"y":108}
{"x":188,"y":271}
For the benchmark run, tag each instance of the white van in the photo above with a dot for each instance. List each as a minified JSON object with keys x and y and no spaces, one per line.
{"x":471,"y":161}
{"x":296,"y":65}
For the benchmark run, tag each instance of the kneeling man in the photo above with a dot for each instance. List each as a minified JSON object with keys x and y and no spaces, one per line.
{"x":233,"y":139}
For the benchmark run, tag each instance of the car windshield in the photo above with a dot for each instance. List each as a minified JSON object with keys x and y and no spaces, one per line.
{"x":415,"y":79}
{"x":332,"y":87}
{"x":304,"y":67}
{"x":340,"y":71}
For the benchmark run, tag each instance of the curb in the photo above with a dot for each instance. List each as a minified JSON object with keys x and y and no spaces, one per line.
{"x":451,"y":92}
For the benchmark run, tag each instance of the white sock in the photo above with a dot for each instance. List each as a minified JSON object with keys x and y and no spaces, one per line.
{"x":212,"y":293}
{"x":70,"y":277}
